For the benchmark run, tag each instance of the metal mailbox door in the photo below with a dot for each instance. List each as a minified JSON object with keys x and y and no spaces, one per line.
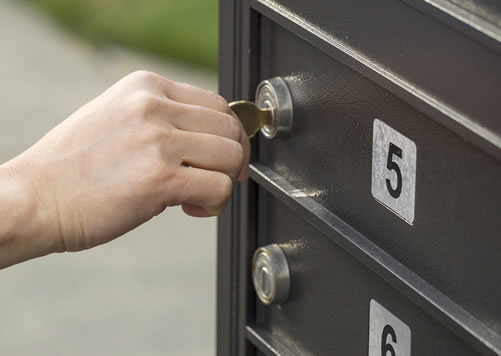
{"x":386,"y":197}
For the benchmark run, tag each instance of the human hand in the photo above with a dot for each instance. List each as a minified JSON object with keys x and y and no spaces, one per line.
{"x":143,"y":145}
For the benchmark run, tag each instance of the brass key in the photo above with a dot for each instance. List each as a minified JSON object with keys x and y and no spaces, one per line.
{"x":252,"y":118}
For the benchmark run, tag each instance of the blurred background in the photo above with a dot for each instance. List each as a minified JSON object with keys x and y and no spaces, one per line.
{"x":151,"y":292}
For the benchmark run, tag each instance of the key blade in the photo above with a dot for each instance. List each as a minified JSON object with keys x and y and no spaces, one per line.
{"x":267,"y":116}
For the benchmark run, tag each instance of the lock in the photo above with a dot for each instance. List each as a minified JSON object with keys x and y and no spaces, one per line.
{"x":271,"y":113}
{"x":270,"y":274}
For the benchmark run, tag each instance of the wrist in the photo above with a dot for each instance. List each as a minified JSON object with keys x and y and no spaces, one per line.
{"x":23,"y":221}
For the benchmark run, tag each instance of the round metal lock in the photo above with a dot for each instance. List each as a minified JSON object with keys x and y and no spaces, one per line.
{"x":270,"y":273}
{"x":274,"y":94}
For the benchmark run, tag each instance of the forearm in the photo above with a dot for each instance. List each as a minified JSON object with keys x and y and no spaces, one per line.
{"x":22,"y":231}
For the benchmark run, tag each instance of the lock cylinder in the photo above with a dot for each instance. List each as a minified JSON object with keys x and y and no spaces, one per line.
{"x":270,"y":274}
{"x":273,"y":94}
{"x":271,"y":113}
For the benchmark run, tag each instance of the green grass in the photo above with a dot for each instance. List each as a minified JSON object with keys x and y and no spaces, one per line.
{"x":182,"y":29}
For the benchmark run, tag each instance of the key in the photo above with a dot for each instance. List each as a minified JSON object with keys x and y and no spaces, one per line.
{"x":252,"y":118}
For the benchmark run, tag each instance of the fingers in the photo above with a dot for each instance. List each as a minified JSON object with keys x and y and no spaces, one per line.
{"x":189,"y":94}
{"x":211,"y":152}
{"x":201,"y":192}
{"x":205,"y":120}
{"x":179,"y":92}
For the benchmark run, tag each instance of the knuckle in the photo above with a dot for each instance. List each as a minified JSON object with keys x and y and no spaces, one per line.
{"x":149,"y":142}
{"x":162,"y":141}
{"x":146,"y":79}
{"x":177,"y":110}
{"x":144,"y":105}
{"x":142,"y":76}
{"x":226,"y":188}
{"x":159,"y":137}
{"x":221,"y":103}
{"x":234,"y":128}
{"x":154,"y":176}
{"x":173,"y":143}
{"x":168,"y":86}
{"x":238,"y":154}
{"x":236,"y":163}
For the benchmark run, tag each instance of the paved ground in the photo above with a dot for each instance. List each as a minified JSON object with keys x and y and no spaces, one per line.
{"x":150,"y":293}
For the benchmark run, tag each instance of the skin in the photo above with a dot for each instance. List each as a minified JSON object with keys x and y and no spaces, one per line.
{"x":145,"y":144}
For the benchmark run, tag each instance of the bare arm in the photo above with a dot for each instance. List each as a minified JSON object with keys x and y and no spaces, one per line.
{"x":143,"y":145}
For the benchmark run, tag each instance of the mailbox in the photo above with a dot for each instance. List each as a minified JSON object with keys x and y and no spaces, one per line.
{"x":373,"y":227}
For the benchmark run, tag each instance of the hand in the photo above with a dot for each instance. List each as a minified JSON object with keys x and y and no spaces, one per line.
{"x":143,"y":145}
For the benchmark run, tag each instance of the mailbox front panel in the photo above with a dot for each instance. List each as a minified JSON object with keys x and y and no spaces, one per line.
{"x":328,"y":310}
{"x":385,"y":198}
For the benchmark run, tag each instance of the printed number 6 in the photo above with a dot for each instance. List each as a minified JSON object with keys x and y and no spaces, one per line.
{"x":385,"y":346}
{"x":393,"y":166}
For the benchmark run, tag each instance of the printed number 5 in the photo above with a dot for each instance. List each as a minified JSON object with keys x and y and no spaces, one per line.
{"x":393,"y":166}
{"x":385,"y":346}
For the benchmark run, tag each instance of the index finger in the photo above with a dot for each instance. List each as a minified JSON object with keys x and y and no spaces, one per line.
{"x":190,"y":94}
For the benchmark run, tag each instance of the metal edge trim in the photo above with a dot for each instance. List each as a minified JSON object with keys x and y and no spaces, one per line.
{"x":265,"y":342}
{"x":467,"y":17}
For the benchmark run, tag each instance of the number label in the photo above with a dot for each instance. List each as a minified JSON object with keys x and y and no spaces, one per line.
{"x":388,"y":335}
{"x":394,"y":170}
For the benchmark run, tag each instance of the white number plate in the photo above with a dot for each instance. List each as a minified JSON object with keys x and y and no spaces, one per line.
{"x":388,"y":335}
{"x":394,"y":170}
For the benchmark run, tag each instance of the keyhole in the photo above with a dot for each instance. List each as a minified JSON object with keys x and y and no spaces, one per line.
{"x":265,"y":281}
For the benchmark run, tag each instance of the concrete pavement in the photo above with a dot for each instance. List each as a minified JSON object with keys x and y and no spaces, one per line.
{"x":151,"y":292}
